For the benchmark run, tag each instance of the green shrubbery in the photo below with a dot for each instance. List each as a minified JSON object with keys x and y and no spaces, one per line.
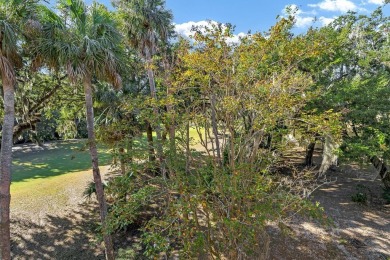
{"x":205,"y":212}
{"x":361,"y":195}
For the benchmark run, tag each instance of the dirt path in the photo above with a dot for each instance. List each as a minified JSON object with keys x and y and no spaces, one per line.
{"x":359,"y":231}
{"x":69,"y":235}
{"x":363,"y":230}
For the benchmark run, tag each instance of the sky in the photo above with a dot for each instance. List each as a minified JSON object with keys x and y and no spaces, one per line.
{"x":258,"y":15}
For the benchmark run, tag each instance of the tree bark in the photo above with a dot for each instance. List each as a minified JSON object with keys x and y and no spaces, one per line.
{"x":95,"y":168}
{"x":329,"y":157}
{"x":21,"y":127}
{"x":5,"y":167}
{"x":383,"y":170}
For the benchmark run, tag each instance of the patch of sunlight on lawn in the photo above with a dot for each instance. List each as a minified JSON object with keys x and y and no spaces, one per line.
{"x":32,"y":168}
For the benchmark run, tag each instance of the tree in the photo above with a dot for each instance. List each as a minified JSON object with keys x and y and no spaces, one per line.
{"x":242,"y":99}
{"x":88,"y":45}
{"x":116,"y":122}
{"x":148,"y":24}
{"x":37,"y":98}
{"x":354,"y":80}
{"x":16,"y":19}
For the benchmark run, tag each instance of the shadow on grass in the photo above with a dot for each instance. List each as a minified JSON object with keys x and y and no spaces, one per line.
{"x":54,"y":159}
{"x":68,"y":237}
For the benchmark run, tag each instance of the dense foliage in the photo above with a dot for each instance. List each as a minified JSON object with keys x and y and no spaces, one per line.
{"x":225,"y":114}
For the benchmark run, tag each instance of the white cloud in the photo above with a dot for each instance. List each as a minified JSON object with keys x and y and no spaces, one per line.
{"x":301,"y":21}
{"x":185,"y":29}
{"x":297,"y":11}
{"x":326,"y":20}
{"x":376,"y":2}
{"x":236,"y":37}
{"x":336,"y":5}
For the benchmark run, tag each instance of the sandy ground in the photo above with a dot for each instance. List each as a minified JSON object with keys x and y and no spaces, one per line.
{"x":61,"y":226}
{"x":359,"y":231}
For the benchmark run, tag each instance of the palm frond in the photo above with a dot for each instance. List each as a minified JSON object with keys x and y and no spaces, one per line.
{"x":78,"y":12}
{"x":147,"y":22}
{"x":89,"y":44}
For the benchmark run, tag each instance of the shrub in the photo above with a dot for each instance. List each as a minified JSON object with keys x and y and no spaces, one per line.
{"x":361,"y":194}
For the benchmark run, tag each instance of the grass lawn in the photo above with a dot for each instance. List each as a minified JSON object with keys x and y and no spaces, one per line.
{"x":47,"y":179}
{"x":59,"y":158}
{"x":52,"y":175}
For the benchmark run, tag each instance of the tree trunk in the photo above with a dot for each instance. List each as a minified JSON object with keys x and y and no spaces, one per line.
{"x":171,"y":127}
{"x":215,"y":128}
{"x":95,"y":168}
{"x":5,"y":168}
{"x":309,"y":154}
{"x":157,"y":127}
{"x":149,"y":136}
{"x":329,"y":157}
{"x":383,"y":170}
{"x":21,"y":127}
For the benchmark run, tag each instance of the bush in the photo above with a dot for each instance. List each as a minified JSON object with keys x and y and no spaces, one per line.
{"x":223,"y":217}
{"x":361,"y":194}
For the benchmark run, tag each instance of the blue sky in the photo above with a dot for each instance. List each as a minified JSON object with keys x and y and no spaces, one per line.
{"x":257,"y":15}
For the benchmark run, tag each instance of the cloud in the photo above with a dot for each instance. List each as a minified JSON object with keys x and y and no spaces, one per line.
{"x":297,"y":11}
{"x":236,"y":37}
{"x":376,"y":2}
{"x":325,"y":20}
{"x":185,"y":29}
{"x":336,"y":5}
{"x":301,"y":20}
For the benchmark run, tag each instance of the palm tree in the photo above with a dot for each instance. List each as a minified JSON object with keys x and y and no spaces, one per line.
{"x":15,"y":17}
{"x":147,"y":24}
{"x":88,"y":45}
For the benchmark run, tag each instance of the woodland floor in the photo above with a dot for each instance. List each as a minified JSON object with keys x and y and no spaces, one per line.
{"x":63,"y":225}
